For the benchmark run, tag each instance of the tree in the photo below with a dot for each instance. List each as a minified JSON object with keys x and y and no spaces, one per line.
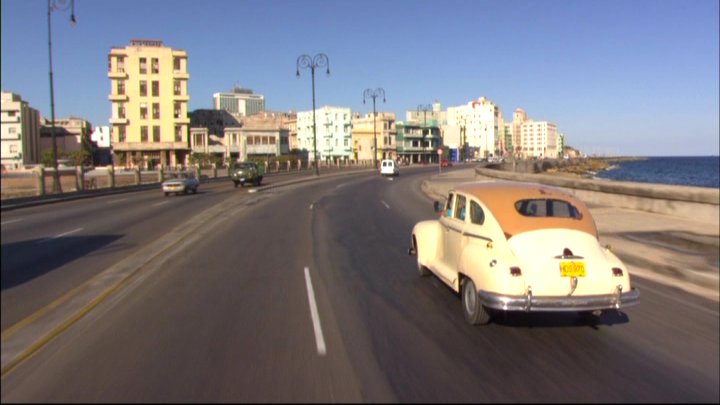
{"x":47,"y":157}
{"x":80,"y":158}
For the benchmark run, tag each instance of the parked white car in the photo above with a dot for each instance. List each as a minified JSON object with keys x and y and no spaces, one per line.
{"x":508,"y":246}
{"x":389,"y":167}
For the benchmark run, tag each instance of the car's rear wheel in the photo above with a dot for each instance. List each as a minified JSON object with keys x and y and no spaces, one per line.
{"x":422,"y":270}
{"x":475,"y":313}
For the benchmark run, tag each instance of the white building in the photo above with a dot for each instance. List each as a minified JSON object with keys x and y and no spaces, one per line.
{"x":20,"y":132}
{"x":101,"y":136}
{"x":239,"y":102}
{"x":333,"y":133}
{"x":539,"y":139}
{"x":476,"y":124}
{"x":534,"y":139}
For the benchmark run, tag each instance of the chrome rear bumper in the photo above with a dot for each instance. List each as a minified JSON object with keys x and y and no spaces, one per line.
{"x":529,"y":302}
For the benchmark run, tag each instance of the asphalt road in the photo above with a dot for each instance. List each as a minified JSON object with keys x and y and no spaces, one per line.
{"x":306,"y":294}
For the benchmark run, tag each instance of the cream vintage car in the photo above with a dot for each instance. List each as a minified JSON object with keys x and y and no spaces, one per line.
{"x":509,"y":246}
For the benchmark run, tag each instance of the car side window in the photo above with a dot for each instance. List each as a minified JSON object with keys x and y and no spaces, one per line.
{"x":460,"y":207}
{"x":449,"y":205}
{"x":477,"y":215}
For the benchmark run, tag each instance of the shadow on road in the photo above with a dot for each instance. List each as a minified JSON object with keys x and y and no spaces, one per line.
{"x":26,"y":260}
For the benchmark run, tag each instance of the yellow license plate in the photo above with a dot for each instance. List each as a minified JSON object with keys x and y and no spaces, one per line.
{"x":572,"y":269}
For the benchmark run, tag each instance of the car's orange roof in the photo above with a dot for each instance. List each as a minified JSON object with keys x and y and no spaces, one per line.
{"x":500,"y":197}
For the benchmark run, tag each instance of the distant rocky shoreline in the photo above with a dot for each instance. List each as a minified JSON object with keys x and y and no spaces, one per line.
{"x":574,"y":167}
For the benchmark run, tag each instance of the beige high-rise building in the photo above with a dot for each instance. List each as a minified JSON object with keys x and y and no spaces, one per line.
{"x":149,"y":98}
{"x":368,"y":130}
{"x":20,"y":132}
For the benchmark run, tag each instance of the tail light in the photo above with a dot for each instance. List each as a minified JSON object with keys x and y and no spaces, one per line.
{"x":515,"y":271}
{"x":617,"y":272}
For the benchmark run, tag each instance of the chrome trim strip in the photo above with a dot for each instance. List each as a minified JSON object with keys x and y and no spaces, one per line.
{"x":561,"y":303}
{"x":568,"y":257}
{"x":473,"y":235}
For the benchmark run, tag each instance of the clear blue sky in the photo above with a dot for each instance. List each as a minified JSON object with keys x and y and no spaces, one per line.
{"x":618,"y":77}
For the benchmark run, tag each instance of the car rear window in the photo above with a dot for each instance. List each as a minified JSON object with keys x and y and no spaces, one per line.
{"x":547,"y":208}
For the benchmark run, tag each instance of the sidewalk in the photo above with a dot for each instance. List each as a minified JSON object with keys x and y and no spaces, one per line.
{"x":666,"y":249}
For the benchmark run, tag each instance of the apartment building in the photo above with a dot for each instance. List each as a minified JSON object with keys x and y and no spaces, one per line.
{"x":539,"y":139}
{"x":369,"y":130}
{"x":333,"y":133}
{"x":480,"y":122}
{"x":417,"y":143}
{"x":534,"y":139}
{"x":20,"y":132}
{"x":266,"y":134}
{"x":72,"y":134}
{"x":239,"y":102}
{"x":149,"y":97}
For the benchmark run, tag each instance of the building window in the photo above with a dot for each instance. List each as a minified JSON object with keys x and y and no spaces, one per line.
{"x":178,"y":110}
{"x":155,"y":88}
{"x":156,"y":133}
{"x":199,"y":139}
{"x":178,"y":133}
{"x":121,"y":87}
{"x":121,"y":134}
{"x":12,"y":130}
{"x":121,"y":111}
{"x":176,"y":64}
{"x":143,"y":88}
{"x":121,"y":65}
{"x":177,"y":88}
{"x":143,"y":133}
{"x":156,"y":110}
{"x":155,"y":65}
{"x":143,"y":66}
{"x":13,"y":149}
{"x":143,"y":111}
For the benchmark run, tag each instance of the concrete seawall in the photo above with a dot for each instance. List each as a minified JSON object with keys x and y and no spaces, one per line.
{"x":697,"y":203}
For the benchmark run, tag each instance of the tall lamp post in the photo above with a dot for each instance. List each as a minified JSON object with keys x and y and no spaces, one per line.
{"x":56,"y":5}
{"x":305,"y":61}
{"x":369,"y":93}
{"x":424,"y":108}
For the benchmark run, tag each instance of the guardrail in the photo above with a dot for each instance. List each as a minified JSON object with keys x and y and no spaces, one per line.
{"x":38,"y":182}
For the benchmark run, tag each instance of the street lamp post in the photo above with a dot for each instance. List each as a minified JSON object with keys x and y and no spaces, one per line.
{"x":424,"y":108}
{"x":305,"y":61}
{"x":369,"y":93}
{"x":55,"y":5}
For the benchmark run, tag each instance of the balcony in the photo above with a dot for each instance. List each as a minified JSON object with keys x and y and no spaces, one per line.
{"x":117,"y":75}
{"x":181,"y":97}
{"x":180,"y":75}
{"x":118,"y":97}
{"x":118,"y":121}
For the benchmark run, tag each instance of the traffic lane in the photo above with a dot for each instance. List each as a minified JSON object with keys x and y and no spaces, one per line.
{"x":40,"y":269}
{"x":654,"y":352}
{"x":225,"y":319}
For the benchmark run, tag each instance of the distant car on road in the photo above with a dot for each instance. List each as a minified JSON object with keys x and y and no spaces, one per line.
{"x":182,"y":182}
{"x":445,"y":163}
{"x":508,"y":246}
{"x":389,"y":167}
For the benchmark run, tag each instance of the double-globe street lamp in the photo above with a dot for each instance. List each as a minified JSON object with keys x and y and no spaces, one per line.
{"x":305,"y":61}
{"x":56,"y":5}
{"x":369,"y":93}
{"x":425,"y":108}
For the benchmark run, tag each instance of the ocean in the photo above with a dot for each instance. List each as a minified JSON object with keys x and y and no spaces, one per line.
{"x":697,"y":171}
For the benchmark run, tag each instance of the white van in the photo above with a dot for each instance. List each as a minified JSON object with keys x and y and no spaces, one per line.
{"x":389,"y":167}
